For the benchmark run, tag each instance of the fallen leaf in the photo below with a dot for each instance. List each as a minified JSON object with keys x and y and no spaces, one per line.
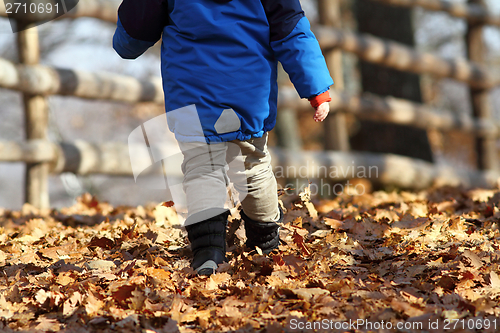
{"x":474,"y":259}
{"x":308,"y":293}
{"x":102,"y":242}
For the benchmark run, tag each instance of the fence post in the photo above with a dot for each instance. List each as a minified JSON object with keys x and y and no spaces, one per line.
{"x":287,"y":125}
{"x":335,"y":127}
{"x":480,"y":98}
{"x":36,"y":190}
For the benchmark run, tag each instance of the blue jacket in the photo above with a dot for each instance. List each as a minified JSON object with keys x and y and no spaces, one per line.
{"x":222,"y":56}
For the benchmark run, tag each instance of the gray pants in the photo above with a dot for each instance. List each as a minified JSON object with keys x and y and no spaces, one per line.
{"x":208,"y":168}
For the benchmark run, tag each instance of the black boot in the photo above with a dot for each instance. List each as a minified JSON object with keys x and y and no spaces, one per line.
{"x":265,"y":235}
{"x":208,"y":243}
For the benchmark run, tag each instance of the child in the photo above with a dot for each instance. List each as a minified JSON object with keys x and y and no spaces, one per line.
{"x":220,"y":56}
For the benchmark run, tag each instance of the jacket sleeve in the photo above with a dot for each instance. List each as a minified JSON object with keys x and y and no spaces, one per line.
{"x":296,"y":47}
{"x":140,"y":25}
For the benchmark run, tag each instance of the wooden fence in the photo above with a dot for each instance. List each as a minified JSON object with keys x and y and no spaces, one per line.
{"x":43,"y":157}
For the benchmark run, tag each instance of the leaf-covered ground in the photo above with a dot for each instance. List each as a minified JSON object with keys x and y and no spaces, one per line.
{"x":395,"y":260}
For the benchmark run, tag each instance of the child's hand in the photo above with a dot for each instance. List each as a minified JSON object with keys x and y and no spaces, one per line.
{"x":322,"y":112}
{"x":320,"y":104}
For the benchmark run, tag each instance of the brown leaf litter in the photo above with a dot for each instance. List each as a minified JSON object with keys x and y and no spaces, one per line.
{"x":429,"y":258}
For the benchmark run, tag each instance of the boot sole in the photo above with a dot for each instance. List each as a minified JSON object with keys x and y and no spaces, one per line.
{"x":208,"y":268}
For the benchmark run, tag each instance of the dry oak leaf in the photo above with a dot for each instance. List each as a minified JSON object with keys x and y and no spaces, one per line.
{"x":229,"y":315}
{"x":158,"y":274}
{"x":3,"y":257}
{"x":102,"y":242}
{"x":100,"y":265}
{"x":333,"y":223}
{"x":447,"y":282}
{"x":71,"y":304}
{"x":93,"y":305}
{"x":278,"y":260}
{"x":299,"y":241}
{"x":215,"y":280}
{"x":45,"y":324}
{"x":60,"y":252}
{"x":6,"y":308}
{"x":406,"y":308}
{"x":123,"y":293}
{"x":495,"y":281}
{"x":48,"y":299}
{"x":305,"y":197}
{"x":308,"y":293}
{"x":65,"y":278}
{"x":474,"y":259}
{"x":137,"y":299}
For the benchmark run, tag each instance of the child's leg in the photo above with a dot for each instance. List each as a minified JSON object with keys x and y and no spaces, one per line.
{"x":205,"y":183}
{"x":260,"y":206}
{"x":205,"y":180}
{"x":261,"y":201}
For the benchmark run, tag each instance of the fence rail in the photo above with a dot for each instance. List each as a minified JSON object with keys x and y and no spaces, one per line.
{"x":85,"y":158}
{"x":404,"y":58}
{"x":395,"y":110}
{"x":45,"y":80}
{"x":471,"y":12}
{"x":36,"y":81}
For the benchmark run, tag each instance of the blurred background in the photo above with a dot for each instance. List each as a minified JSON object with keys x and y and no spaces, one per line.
{"x":85,"y":44}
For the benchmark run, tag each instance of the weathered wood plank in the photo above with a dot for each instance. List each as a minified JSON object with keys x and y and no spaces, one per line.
{"x":113,"y":159}
{"x":36,"y":181}
{"x":397,"y":111}
{"x":33,"y":151}
{"x":469,"y":11}
{"x":404,"y":58}
{"x":335,"y":126}
{"x":486,"y":150}
{"x":386,"y":169}
{"x":79,"y":157}
{"x":44,"y":80}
